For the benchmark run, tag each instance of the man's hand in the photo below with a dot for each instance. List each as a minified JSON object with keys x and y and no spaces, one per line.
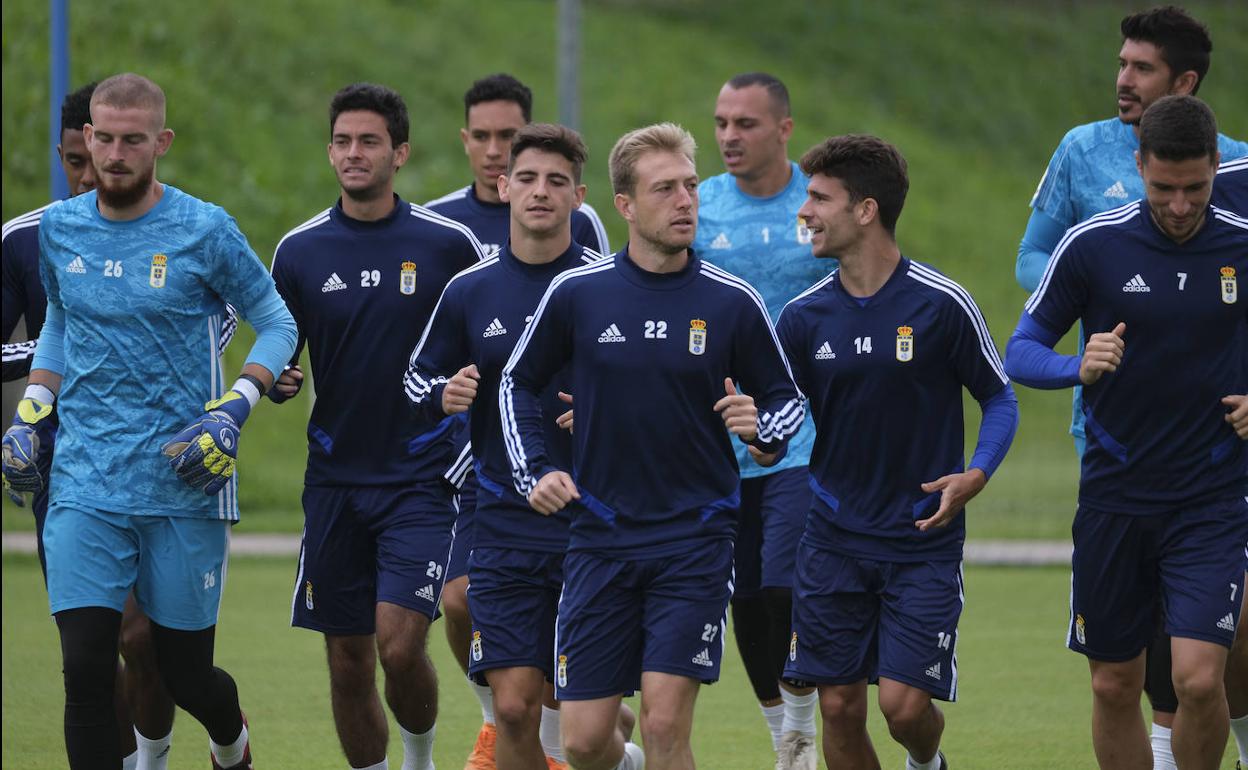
{"x":1103,"y":353}
{"x":287,"y":385}
{"x":763,"y":459}
{"x":1238,"y":414}
{"x":739,"y":412}
{"x":956,"y":490}
{"x":553,"y":491}
{"x":565,"y":420}
{"x":204,"y":453}
{"x":20,"y":448}
{"x":460,"y":390}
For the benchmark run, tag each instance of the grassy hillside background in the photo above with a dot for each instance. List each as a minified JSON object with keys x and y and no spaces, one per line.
{"x":976,"y":95}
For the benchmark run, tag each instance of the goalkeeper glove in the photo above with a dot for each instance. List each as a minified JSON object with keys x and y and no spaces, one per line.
{"x":204,"y":453}
{"x":20,"y":447}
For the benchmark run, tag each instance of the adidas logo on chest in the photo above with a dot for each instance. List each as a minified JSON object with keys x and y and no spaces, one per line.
{"x":824,"y":353}
{"x":1116,"y":191}
{"x":76,"y":266}
{"x":1136,"y":285}
{"x":612,"y":334}
{"x":495,"y":329}
{"x":333,"y":283}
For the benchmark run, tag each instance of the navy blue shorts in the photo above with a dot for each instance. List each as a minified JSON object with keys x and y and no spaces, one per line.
{"x":1192,"y":559}
{"x":856,"y":619}
{"x":364,"y":545}
{"x":619,"y":618}
{"x":514,"y":600}
{"x":465,"y":520}
{"x":771,"y":520}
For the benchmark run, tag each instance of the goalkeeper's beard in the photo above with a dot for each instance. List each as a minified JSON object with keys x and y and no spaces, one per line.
{"x":123,"y":196}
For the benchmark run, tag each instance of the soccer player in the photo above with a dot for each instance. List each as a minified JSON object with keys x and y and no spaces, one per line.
{"x":516,"y":565}
{"x":136,"y":274}
{"x":883,"y":347}
{"x":653,"y":340}
{"x":361,"y":279}
{"x":1162,"y":508}
{"x":1164,"y":51}
{"x":496,"y":107}
{"x":748,"y":225}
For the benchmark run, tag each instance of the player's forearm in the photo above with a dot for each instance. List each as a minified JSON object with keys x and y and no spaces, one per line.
{"x":45,"y":378}
{"x":276,"y":337}
{"x":1031,"y":360}
{"x":1039,"y":240}
{"x":996,"y":431}
{"x":50,"y":353}
{"x":520,"y":411}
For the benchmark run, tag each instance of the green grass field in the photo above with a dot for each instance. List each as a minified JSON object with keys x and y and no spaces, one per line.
{"x":1023,"y":699}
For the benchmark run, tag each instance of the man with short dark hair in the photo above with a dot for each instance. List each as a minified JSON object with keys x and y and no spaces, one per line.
{"x":140,"y":266}
{"x":361,"y":279}
{"x":496,"y":108}
{"x":1162,"y":514}
{"x":516,"y":564}
{"x":748,"y":225}
{"x":883,"y":348}
{"x":651,"y":340}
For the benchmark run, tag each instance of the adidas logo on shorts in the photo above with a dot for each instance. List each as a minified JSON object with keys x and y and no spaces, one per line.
{"x":1136,"y":284}
{"x":824,"y":353}
{"x":934,"y":671}
{"x":703,"y":658}
{"x":611,"y":334}
{"x":1227,"y":623}
{"x":494,"y":329}
{"x":333,"y":283}
{"x":426,"y":593}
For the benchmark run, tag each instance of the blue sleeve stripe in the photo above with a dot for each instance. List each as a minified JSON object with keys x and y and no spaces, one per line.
{"x":420,"y":212}
{"x":931,"y":278}
{"x":600,"y":231}
{"x":22,"y":221}
{"x":520,"y":472}
{"x":415,"y":384}
{"x":1111,"y":217}
{"x":315,"y":221}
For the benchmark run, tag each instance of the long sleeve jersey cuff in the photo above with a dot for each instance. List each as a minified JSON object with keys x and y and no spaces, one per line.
{"x":1031,"y":360}
{"x":1039,"y":240}
{"x":17,"y":358}
{"x":50,"y":352}
{"x":996,"y":431}
{"x":276,"y":334}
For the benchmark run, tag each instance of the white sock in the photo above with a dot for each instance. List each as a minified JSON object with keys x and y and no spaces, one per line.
{"x":486,"y":696}
{"x":418,"y":749}
{"x":384,"y":764}
{"x":800,"y":712}
{"x":634,"y":758}
{"x":228,"y":756}
{"x":153,"y":754}
{"x":1239,"y":728}
{"x":931,"y":764}
{"x":1163,"y":758}
{"x":775,"y":722}
{"x":548,"y":732}
{"x":130,"y":762}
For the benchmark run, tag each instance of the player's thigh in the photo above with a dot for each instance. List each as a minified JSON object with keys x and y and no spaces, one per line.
{"x":182,"y":570}
{"x":1114,"y":585}
{"x":515,"y":600}
{"x":918,"y":634}
{"x":748,"y":553}
{"x":836,"y":613}
{"x":1202,"y":571}
{"x":785,"y":502}
{"x":336,"y":582}
{"x":413,"y":529}
{"x":685,"y":611}
{"x":93,"y":558}
{"x":598,"y":641}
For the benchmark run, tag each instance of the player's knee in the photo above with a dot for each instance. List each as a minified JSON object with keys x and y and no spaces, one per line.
{"x":351,"y":667}
{"x":89,"y":674}
{"x":136,"y":643}
{"x":400,"y":656}
{"x":586,"y":748}
{"x":841,"y":706}
{"x":455,"y":601}
{"x":1198,"y":685}
{"x":1115,"y":686}
{"x":516,"y":713}
{"x":905,"y":715}
{"x":664,"y":730}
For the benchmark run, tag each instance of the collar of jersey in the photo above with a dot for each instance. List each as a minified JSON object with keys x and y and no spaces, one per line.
{"x":486,"y":207}
{"x":91,"y":200}
{"x":539,"y":273}
{"x":852,"y":302}
{"x":660,"y":281}
{"x":400,"y":206}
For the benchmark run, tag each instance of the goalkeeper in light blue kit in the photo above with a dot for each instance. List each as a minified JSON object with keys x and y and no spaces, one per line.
{"x":137,"y":274}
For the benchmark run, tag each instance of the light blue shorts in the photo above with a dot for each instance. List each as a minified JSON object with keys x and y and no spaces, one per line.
{"x":175,"y":564}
